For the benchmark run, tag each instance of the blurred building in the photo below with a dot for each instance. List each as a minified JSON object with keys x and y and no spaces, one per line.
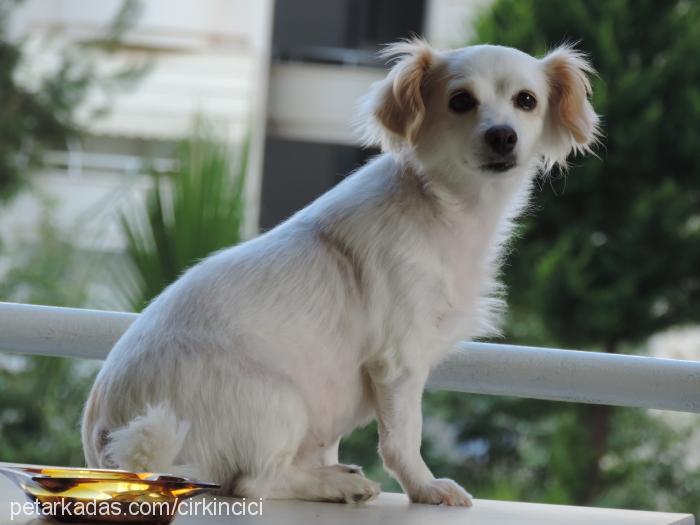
{"x":209,"y":57}
{"x":286,"y":71}
{"x":323,"y":60}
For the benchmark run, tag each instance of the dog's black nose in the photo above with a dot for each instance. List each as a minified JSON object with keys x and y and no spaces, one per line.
{"x":501,"y":139}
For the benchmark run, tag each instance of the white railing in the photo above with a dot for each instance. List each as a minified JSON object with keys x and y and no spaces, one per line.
{"x":538,"y":373}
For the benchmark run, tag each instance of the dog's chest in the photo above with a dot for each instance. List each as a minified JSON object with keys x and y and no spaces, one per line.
{"x":463,"y":276}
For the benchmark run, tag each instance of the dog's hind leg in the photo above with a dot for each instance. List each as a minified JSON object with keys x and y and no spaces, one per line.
{"x":260,"y":453}
{"x":312,"y":456}
{"x":313,"y":477}
{"x":335,"y":483}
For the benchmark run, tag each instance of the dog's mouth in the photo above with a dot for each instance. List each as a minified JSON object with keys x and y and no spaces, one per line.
{"x":499,"y":167}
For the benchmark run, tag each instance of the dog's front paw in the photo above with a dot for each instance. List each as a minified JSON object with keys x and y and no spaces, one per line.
{"x":440,"y":491}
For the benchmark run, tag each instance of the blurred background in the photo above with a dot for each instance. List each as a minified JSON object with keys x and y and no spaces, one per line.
{"x":138,"y":136}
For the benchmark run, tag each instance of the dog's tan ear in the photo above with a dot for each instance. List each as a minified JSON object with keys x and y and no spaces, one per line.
{"x":393,"y":111}
{"x":573,"y":125}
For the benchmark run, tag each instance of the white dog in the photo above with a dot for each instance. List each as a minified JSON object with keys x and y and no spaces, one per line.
{"x":250,"y":368}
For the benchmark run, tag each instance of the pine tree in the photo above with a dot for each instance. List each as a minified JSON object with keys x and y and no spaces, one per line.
{"x":611,"y":254}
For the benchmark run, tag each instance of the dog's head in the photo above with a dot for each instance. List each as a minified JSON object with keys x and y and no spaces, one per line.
{"x":484,"y":109}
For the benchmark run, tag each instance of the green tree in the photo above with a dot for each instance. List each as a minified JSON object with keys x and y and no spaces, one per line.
{"x":612,"y":253}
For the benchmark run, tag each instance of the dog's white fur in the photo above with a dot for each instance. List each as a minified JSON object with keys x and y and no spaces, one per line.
{"x":250,"y":368}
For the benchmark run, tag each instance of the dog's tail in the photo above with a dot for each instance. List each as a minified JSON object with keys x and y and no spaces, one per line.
{"x":148,"y":443}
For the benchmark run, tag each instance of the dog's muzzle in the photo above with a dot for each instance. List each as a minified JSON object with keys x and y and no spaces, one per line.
{"x":501,"y":141}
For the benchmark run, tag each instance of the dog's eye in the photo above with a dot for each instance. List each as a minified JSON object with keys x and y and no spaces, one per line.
{"x":462,"y":102}
{"x":525,"y":101}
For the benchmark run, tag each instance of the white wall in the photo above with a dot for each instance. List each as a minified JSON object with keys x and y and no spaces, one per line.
{"x":86,"y":208}
{"x":174,"y":24}
{"x":317,"y":103}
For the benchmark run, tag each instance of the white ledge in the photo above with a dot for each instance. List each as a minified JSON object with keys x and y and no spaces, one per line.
{"x":394,"y":509}
{"x":539,"y":373}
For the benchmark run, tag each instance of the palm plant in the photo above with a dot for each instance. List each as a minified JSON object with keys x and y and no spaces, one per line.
{"x":189,"y":213}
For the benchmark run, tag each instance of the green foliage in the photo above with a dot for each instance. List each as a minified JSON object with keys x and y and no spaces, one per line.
{"x":40,"y":409}
{"x":611,"y":255}
{"x":45,"y":271}
{"x":197,"y":210}
{"x":42,"y":397}
{"x":41,"y":113}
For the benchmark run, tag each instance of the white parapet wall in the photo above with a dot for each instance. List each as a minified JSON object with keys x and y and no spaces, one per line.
{"x":538,"y":373}
{"x":317,"y":102}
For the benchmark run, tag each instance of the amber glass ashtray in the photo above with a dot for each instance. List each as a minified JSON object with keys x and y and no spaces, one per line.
{"x":75,"y":495}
